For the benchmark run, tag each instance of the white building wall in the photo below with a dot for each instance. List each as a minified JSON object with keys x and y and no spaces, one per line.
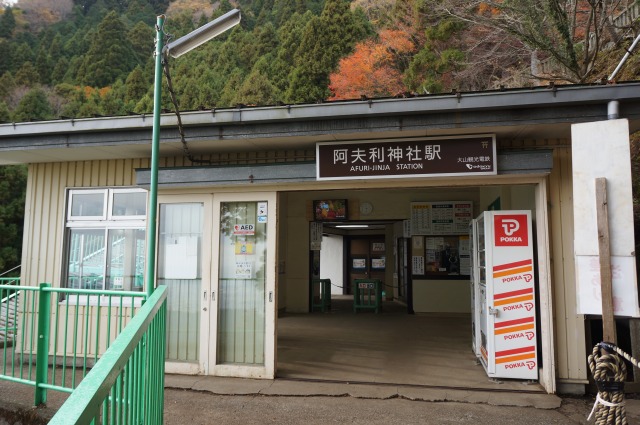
{"x":332,"y":263}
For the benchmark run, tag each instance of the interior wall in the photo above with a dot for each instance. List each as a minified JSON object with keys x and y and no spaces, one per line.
{"x":331,"y":262}
{"x":442,"y":296}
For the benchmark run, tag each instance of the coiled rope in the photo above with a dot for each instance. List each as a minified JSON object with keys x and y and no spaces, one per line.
{"x":609,"y":372}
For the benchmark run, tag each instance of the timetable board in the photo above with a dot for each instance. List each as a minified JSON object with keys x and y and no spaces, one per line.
{"x":441,"y":218}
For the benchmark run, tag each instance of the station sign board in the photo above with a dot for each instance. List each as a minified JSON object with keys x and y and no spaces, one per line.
{"x":425,"y":157}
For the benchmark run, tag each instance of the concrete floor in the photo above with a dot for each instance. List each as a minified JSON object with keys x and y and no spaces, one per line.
{"x":392,"y":347}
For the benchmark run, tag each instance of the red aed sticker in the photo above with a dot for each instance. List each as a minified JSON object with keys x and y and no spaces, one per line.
{"x":511,"y":230}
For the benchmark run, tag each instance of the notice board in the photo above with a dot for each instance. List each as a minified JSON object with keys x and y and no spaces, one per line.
{"x":441,"y":218}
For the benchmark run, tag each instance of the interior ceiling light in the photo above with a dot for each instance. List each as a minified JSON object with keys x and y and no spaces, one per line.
{"x":352,"y":226}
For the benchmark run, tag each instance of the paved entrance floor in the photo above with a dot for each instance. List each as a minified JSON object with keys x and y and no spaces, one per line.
{"x":391,"y":347}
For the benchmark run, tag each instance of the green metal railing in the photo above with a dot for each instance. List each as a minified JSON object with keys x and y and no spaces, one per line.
{"x":8,"y":307}
{"x":60,"y":333}
{"x":127,"y":384}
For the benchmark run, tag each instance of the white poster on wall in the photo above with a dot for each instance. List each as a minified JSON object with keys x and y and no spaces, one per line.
{"x":608,"y":141}
{"x":181,"y":258}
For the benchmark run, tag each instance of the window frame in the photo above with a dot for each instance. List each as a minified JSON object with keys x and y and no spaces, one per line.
{"x":105,"y":223}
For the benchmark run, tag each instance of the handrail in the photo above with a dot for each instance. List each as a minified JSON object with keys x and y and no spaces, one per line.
{"x":10,"y":270}
{"x":84,"y":403}
{"x":79,"y":324}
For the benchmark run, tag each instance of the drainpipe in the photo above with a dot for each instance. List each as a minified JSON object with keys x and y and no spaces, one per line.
{"x":613,"y":110}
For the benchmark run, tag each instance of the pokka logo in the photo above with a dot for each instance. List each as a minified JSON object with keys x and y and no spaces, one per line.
{"x":520,"y":335}
{"x":517,"y":365}
{"x":511,"y":230}
{"x":520,"y":306}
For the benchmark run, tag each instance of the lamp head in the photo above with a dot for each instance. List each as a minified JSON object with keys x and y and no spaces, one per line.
{"x":203,"y":34}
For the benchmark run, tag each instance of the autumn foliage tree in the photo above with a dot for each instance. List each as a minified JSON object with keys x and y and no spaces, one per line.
{"x":372,"y":69}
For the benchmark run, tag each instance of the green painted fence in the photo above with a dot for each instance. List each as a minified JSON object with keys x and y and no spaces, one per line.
{"x":55,"y":337}
{"x":126,"y":386}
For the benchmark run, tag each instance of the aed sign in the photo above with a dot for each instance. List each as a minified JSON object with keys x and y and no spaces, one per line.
{"x":511,"y":230}
{"x":244,"y":229}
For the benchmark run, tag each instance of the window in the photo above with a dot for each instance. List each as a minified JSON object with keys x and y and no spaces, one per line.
{"x":105,"y":239}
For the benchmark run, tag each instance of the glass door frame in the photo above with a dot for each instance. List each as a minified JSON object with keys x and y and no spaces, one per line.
{"x":266,"y":371}
{"x":189,"y":368}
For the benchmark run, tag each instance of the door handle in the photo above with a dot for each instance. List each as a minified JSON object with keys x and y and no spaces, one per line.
{"x":494,"y":311}
{"x":270,"y":296}
{"x":213,"y":295}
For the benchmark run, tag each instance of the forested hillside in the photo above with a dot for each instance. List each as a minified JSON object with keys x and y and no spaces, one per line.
{"x":80,"y":58}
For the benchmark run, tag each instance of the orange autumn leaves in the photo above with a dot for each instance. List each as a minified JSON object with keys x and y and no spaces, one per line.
{"x":372,"y":69}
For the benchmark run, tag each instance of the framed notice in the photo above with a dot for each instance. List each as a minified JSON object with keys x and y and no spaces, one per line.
{"x":441,"y":218}
{"x":359,"y":264}
{"x":417,"y":265}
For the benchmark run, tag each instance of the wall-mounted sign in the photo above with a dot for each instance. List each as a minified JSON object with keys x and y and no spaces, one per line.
{"x":429,"y":157}
{"x":315,"y":236}
{"x":441,"y":218}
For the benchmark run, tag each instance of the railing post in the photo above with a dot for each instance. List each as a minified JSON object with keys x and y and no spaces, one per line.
{"x":42,"y":351}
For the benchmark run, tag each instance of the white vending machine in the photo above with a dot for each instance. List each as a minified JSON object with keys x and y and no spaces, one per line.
{"x":503,"y":294}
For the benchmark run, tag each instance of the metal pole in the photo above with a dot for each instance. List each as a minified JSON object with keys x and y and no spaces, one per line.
{"x":42,"y":345}
{"x":624,"y":58}
{"x":155,"y":148}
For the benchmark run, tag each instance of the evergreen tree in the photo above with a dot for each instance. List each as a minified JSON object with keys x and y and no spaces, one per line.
{"x":43,"y":66}
{"x":135,"y":86}
{"x":13,"y":184}
{"x":59,"y":70}
{"x":91,"y":107}
{"x":27,"y":75}
{"x":6,"y":53}
{"x":7,"y":84}
{"x":257,"y":90}
{"x":140,"y":11}
{"x":33,"y":106}
{"x":429,"y":68}
{"x":20,"y":54}
{"x":7,"y":23}
{"x":145,"y":105}
{"x":141,"y":37}
{"x":5,"y":114}
{"x":112,"y":102}
{"x":110,"y":56}
{"x":325,"y":40}
{"x":56,"y":48}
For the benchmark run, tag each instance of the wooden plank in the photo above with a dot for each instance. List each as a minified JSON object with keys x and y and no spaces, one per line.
{"x":604,"y":254}
{"x":634,"y":329}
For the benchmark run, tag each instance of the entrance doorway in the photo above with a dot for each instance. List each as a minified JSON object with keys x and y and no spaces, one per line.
{"x":366,"y":259}
{"x":392,"y":346}
{"x":221,"y":308}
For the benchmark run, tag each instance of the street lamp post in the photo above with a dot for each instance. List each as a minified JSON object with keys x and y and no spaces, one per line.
{"x":175,"y":48}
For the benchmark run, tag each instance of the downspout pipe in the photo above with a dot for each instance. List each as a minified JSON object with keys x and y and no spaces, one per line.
{"x":613,"y":110}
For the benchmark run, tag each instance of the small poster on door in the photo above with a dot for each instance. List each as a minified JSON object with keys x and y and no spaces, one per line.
{"x":244,"y":248}
{"x":377,"y":246}
{"x":244,"y":229}
{"x":244,"y":269}
{"x":359,"y":264}
{"x":262,"y":210}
